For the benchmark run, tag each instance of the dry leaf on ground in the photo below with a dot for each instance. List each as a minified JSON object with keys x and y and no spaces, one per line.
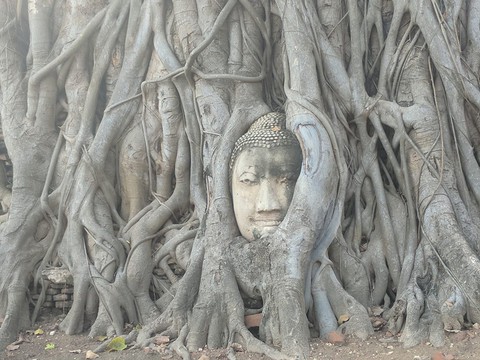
{"x":12,"y":347}
{"x":91,"y":355}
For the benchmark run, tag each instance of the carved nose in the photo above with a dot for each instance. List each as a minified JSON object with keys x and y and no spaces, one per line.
{"x":267,"y":197}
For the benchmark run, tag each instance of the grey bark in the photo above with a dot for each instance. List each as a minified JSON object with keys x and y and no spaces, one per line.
{"x":119,"y":119}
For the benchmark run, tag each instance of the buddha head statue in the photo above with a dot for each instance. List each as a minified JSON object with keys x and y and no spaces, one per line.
{"x":264,"y":168}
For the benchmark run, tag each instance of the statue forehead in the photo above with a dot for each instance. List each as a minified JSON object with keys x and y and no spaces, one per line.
{"x":268,"y":131}
{"x":281,"y":158}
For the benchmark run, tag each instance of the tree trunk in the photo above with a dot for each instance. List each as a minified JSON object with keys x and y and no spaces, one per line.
{"x":120,"y":119}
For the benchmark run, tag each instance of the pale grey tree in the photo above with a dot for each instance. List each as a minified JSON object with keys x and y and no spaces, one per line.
{"x":119,"y":118}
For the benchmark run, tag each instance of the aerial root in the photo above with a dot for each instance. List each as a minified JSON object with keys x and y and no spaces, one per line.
{"x":102,"y":324}
{"x":231,"y":353}
{"x":179,"y":344}
{"x":245,"y":338}
{"x":342,"y":303}
{"x":252,"y":344}
{"x":423,"y":320}
{"x":163,"y":325}
{"x":10,"y":325}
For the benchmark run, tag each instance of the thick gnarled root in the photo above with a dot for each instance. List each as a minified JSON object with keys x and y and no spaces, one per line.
{"x":14,"y":315}
{"x":420,"y":317}
{"x":344,"y":310}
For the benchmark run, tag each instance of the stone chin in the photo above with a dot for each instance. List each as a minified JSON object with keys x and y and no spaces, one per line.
{"x":261,"y":231}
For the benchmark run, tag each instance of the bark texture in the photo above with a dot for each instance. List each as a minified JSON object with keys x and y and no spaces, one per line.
{"x":119,"y":118}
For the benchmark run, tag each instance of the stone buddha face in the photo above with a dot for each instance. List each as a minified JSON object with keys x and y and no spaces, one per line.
{"x":264,"y":169}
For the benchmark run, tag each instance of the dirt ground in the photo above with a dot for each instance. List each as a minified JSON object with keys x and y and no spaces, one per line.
{"x":50,"y":343}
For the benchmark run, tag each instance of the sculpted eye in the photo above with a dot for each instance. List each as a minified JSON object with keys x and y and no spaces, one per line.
{"x":248,"y":179}
{"x":287,"y":179}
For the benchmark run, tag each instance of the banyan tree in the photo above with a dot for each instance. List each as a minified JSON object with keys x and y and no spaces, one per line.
{"x":127,"y":124}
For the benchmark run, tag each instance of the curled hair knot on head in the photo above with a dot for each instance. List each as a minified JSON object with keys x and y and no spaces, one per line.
{"x":267,"y":131}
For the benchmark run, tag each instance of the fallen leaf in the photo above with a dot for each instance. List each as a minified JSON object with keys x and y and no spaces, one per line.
{"x":38,"y":332}
{"x":91,"y":355}
{"x":50,"y":346}
{"x":12,"y":347}
{"x":343,"y":318}
{"x":78,"y":351}
{"x":101,"y":338}
{"x":20,"y":340}
{"x":117,"y":344}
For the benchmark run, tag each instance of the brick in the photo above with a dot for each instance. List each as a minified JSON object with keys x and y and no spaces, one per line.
{"x":61,"y":297}
{"x":335,"y":337}
{"x":67,"y":290}
{"x":57,"y":286}
{"x":47,"y":297}
{"x":51,"y":291}
{"x":63,"y":304}
{"x":253,"y":320}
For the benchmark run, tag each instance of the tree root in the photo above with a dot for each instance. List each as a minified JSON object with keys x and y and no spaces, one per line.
{"x":14,"y":315}
{"x":343,"y":305}
{"x":413,"y":333}
{"x":179,"y":344}
{"x":102,"y":324}
{"x":129,"y":339}
{"x":453,"y":310}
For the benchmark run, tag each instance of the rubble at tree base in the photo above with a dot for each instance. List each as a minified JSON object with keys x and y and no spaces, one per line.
{"x":59,"y":296}
{"x":59,"y":292}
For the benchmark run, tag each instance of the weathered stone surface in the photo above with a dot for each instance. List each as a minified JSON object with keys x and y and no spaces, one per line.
{"x":47,"y":302}
{"x":67,"y":290}
{"x":63,"y":304}
{"x":58,"y":287}
{"x":253,"y":320}
{"x":335,"y":337}
{"x":58,"y":276}
{"x":51,"y":291}
{"x":60,"y":297}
